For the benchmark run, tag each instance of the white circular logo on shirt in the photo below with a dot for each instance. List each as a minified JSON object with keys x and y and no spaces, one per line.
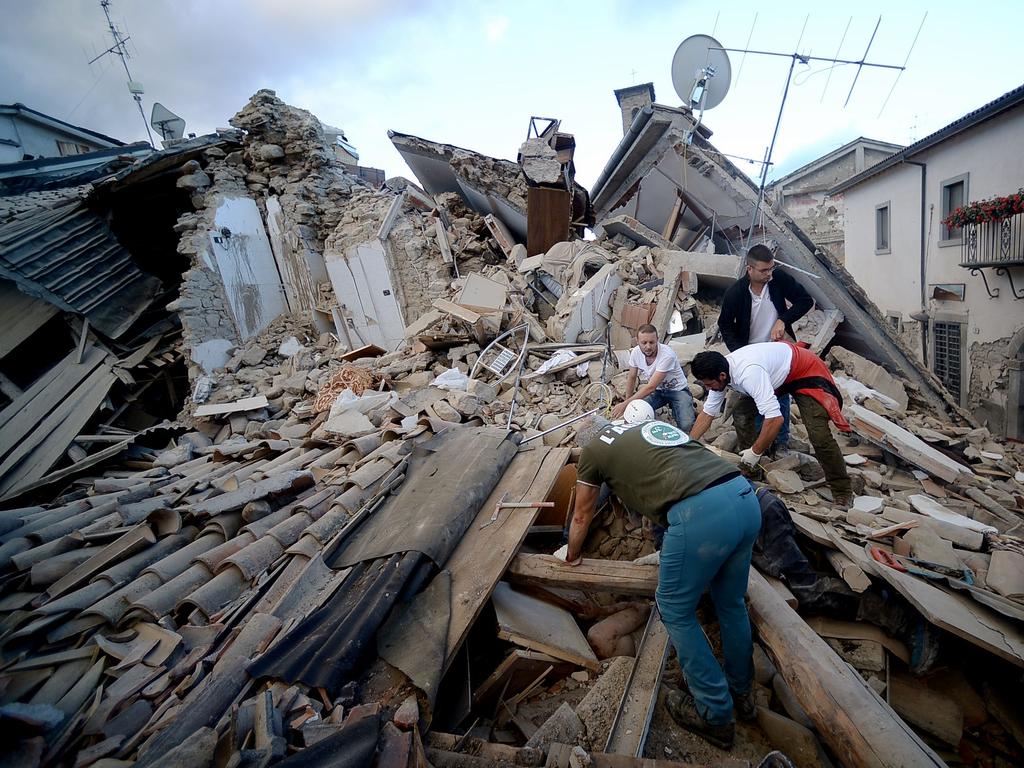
{"x":661,"y":434}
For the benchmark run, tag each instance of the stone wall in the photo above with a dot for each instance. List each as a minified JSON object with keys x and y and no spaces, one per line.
{"x":284,"y":162}
{"x":987,"y":391}
{"x":418,"y":271}
{"x":209,"y":331}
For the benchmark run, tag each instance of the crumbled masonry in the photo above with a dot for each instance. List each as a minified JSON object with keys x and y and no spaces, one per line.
{"x":328,"y":339}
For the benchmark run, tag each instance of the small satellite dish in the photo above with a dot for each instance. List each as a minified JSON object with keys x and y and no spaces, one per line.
{"x":701,"y":73}
{"x":169,"y":124}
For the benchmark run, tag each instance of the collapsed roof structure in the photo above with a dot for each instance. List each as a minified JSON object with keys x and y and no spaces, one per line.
{"x":334,"y":548}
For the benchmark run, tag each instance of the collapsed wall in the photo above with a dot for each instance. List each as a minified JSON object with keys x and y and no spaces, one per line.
{"x":256,"y":237}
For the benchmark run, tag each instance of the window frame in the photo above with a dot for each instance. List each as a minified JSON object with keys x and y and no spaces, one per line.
{"x":879,"y":249}
{"x":954,"y":319}
{"x":944,"y":232}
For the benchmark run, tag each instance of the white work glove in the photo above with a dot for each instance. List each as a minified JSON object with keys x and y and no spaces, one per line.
{"x":750,"y":457}
{"x":562,"y":553}
{"x":652,"y":559}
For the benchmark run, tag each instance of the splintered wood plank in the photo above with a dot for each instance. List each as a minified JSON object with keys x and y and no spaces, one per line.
{"x":238,"y":406}
{"x":482,"y":556}
{"x":23,"y":415}
{"x":541,"y":626}
{"x":515,"y":673}
{"x":848,"y":571}
{"x":858,"y":630}
{"x":41,"y":449}
{"x":956,"y":613}
{"x":629,"y":731}
{"x":616,"y":576}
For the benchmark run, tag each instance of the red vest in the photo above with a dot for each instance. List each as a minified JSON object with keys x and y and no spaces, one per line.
{"x":807,"y":365}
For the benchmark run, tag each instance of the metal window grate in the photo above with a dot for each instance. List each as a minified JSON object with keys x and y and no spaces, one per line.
{"x":948,"y":361}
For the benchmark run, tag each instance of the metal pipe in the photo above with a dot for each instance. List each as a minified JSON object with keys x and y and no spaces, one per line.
{"x":573,"y":420}
{"x":771,"y":147}
{"x":924,"y":257}
{"x":797,"y":269}
{"x":519,"y":375}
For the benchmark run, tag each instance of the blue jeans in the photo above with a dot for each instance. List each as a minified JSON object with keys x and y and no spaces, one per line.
{"x":782,"y":439}
{"x":708,"y":543}
{"x":681,"y":403}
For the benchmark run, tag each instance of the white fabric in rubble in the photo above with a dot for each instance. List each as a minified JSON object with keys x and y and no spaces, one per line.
{"x":347,"y":400}
{"x":561,"y":357}
{"x":566,"y":261}
{"x":451,"y":379}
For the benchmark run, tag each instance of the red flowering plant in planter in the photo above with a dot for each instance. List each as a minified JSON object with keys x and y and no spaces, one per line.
{"x":993,"y":209}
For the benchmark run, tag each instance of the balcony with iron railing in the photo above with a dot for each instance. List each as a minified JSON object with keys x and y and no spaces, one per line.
{"x":993,"y":243}
{"x":991,"y":236}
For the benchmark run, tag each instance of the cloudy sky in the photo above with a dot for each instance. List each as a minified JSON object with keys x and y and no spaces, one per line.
{"x":472,"y":74}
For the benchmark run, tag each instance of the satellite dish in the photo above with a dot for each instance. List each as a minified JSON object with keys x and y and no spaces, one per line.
{"x":169,"y":124}
{"x":701,"y":72}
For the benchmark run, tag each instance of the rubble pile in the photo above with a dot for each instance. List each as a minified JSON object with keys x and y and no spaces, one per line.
{"x":285,"y":173}
{"x":192,"y":604}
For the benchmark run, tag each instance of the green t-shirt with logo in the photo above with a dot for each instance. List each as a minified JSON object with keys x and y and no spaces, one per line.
{"x":650,"y":466}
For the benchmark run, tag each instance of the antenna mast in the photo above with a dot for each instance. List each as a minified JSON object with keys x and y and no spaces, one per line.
{"x":804,"y":59}
{"x":121,"y":50}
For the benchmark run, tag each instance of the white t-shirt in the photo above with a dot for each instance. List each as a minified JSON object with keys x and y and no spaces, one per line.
{"x":755,"y":370}
{"x":762,"y":316}
{"x":666,"y":360}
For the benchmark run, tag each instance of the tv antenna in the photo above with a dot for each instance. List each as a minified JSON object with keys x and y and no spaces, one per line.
{"x":714,"y":47}
{"x":169,"y":124}
{"x":701,"y":74}
{"x":120,"y":49}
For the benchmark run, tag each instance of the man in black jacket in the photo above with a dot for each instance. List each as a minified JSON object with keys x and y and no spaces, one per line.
{"x":762,"y":306}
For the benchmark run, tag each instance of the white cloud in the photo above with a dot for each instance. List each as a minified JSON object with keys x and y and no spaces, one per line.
{"x":496,"y":28}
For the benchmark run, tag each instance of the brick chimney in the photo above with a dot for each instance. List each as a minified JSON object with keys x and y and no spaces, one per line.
{"x":632,"y":100}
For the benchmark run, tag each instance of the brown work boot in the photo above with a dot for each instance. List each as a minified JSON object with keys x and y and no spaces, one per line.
{"x":746,"y":709}
{"x":683,"y":710}
{"x":842,"y":501}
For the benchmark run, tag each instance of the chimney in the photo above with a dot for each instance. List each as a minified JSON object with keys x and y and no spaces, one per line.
{"x":632,"y":100}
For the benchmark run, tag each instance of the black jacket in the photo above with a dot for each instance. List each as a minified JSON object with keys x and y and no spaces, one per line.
{"x":734,"y":320}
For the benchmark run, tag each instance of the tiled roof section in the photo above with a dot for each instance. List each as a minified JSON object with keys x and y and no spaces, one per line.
{"x":55,"y":248}
{"x":1007,"y":101}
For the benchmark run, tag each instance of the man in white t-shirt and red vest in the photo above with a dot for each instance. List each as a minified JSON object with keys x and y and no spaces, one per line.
{"x":762,"y":306}
{"x":762,"y":372}
{"x":662,"y":381}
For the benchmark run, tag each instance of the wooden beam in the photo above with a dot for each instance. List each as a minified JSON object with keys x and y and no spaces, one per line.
{"x":81,"y":341}
{"x":667,"y":299}
{"x":904,"y":444}
{"x":673,"y":219}
{"x":628,"y":733}
{"x":11,"y":390}
{"x":850,"y":718}
{"x":854,"y":723}
{"x":616,"y":576}
{"x":238,"y":406}
{"x":483,"y":554}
